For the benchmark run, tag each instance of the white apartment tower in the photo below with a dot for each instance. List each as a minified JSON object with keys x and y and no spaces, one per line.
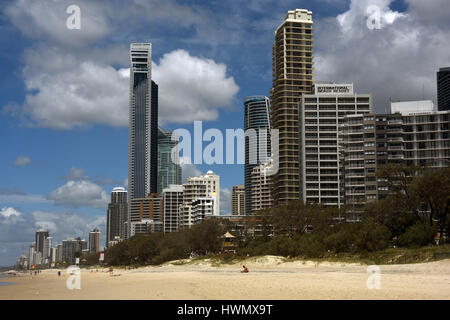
{"x":320,"y":116}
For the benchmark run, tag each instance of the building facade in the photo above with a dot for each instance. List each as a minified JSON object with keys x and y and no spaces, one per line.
{"x":143,"y":124}
{"x":443,"y":89}
{"x":238,"y":200}
{"x":169,"y":169}
{"x":173,"y":199}
{"x":320,"y":116}
{"x":117,"y":215}
{"x":257,"y":139}
{"x":150,"y":208}
{"x":292,"y":64}
{"x":261,"y":188}
{"x":94,"y":240}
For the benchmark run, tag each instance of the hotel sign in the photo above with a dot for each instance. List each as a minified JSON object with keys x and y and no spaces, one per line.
{"x":334,"y":88}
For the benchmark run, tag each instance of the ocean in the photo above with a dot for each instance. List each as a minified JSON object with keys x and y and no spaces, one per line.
{"x":4,"y":283}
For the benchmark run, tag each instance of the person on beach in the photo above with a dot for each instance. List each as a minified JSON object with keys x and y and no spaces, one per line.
{"x":245,"y":269}
{"x":110,"y":271}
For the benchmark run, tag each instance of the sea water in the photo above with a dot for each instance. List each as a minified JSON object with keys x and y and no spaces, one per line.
{"x":4,"y":283}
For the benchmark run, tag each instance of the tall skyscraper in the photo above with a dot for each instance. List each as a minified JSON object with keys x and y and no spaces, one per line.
{"x":320,"y":116}
{"x":292,"y":65}
{"x":94,"y":240}
{"x":169,"y":172}
{"x":238,"y":200}
{"x":117,"y":215}
{"x":257,"y":140}
{"x":443,"y":89}
{"x":41,"y":235}
{"x":143,"y":127}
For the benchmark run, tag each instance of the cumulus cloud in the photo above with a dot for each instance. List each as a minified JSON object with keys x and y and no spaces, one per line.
{"x":79,"y":193}
{"x":73,"y":92}
{"x":225,"y":201}
{"x":192,"y":88}
{"x":22,"y":161}
{"x":399,"y":60}
{"x":17,"y":229}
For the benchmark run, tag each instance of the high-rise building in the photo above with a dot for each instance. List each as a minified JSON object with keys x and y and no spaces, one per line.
{"x":238,"y":200}
{"x":320,"y":116}
{"x":261,"y":187}
{"x":117,"y":213}
{"x":47,"y":250}
{"x":207,"y":185}
{"x":257,"y":140}
{"x":169,"y":170}
{"x":143,"y":124}
{"x":72,"y":248}
{"x":31,"y":253}
{"x":443,"y":89}
{"x":94,"y":240}
{"x":173,"y":199}
{"x":370,"y":141}
{"x":292,"y":64}
{"x":149,"y":209}
{"x":41,"y":235}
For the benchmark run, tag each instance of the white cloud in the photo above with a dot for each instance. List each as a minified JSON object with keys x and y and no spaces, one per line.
{"x":8,"y":211}
{"x":65,"y":91}
{"x":79,"y":193}
{"x":192,"y":88}
{"x":225,"y":201}
{"x":399,"y":60}
{"x":17,"y":229}
{"x":71,"y":92}
{"x":22,"y":161}
{"x":125,"y":183}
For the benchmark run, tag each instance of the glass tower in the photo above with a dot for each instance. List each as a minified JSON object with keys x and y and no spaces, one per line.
{"x":169,"y":172}
{"x":143,"y":125}
{"x":257,"y":149}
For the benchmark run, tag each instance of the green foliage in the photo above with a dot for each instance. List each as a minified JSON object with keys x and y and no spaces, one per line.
{"x":157,"y":248}
{"x":420,"y":234}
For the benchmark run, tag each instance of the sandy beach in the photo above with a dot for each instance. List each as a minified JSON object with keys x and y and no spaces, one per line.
{"x":269,"y":278}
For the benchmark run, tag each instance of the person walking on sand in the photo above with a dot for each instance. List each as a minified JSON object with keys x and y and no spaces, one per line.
{"x":245,"y":270}
{"x":110,"y":271}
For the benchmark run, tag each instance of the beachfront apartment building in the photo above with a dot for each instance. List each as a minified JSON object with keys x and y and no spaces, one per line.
{"x":320,"y":117}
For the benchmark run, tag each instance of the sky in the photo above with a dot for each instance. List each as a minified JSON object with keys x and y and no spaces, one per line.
{"x":64,"y":92}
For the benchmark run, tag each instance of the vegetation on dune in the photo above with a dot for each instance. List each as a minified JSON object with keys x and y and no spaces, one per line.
{"x":390,"y":231}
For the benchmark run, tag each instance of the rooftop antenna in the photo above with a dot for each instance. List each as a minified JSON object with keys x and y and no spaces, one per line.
{"x":423,"y":91}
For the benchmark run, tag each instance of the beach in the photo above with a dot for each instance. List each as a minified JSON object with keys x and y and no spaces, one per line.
{"x":269,"y":278}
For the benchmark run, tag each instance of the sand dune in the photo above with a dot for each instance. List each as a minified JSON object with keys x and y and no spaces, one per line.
{"x":269,"y":278}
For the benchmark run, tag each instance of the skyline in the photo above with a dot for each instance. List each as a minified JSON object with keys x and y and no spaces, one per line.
{"x":43,"y":185}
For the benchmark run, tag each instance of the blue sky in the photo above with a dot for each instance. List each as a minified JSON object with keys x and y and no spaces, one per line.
{"x":64,"y":93}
